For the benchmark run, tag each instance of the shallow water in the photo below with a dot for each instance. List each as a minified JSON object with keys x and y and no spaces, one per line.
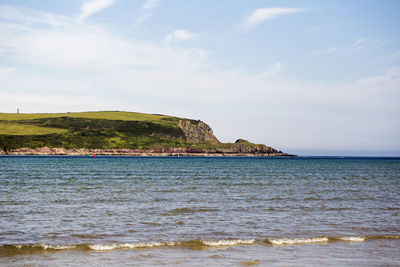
{"x":199,"y":211}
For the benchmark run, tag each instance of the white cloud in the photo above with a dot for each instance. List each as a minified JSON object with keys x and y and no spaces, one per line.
{"x":143,"y":17}
{"x":357,"y":45}
{"x":150,"y":4}
{"x":13,"y":14}
{"x":261,"y":15}
{"x":32,"y":102}
{"x":348,"y":49}
{"x":178,"y":35}
{"x":277,"y":68}
{"x":146,"y":11}
{"x":273,"y":70}
{"x":89,"y":8}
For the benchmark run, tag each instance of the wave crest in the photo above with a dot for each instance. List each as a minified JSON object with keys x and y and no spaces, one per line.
{"x":295,"y":241}
{"x":219,"y":243}
{"x":353,"y":238}
{"x":106,"y":247}
{"x":17,"y":249}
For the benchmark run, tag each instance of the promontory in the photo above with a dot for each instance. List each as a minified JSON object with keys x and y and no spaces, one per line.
{"x":116,"y":133}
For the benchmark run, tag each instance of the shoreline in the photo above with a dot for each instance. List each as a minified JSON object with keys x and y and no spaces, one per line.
{"x":177,"y":152}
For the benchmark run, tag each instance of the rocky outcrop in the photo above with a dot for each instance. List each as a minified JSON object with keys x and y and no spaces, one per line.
{"x":244,"y":146}
{"x":197,"y":131}
{"x":143,"y":152}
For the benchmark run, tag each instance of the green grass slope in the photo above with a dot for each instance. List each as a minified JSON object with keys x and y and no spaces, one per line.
{"x":104,"y":129}
{"x":9,"y":128}
{"x":106,"y":115}
{"x":110,"y":130}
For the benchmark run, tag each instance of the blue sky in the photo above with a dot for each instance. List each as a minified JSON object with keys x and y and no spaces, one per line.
{"x":307,"y":77}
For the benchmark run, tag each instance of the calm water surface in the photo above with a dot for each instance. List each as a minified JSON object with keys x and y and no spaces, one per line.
{"x":199,"y":211}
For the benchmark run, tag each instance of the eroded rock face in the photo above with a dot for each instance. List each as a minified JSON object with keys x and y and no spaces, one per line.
{"x":197,"y":131}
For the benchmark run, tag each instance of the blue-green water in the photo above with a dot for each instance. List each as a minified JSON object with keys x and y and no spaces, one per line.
{"x":199,"y":211}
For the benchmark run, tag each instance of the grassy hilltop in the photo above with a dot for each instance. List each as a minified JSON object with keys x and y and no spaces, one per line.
{"x":113,"y":130}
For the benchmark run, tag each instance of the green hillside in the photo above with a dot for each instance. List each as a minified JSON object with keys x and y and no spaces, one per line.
{"x":106,"y":129}
{"x":11,"y":128}
{"x":113,"y":130}
{"x":106,"y":115}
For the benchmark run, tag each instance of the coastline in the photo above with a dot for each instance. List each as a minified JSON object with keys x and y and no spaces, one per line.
{"x":44,"y":151}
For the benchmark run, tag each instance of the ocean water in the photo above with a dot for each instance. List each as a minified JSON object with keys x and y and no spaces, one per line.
{"x":138,"y":211}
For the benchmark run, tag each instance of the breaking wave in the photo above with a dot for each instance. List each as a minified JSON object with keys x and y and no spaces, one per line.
{"x":219,"y":243}
{"x":105,"y":247}
{"x":295,"y":241}
{"x":17,"y":249}
{"x":353,"y":238}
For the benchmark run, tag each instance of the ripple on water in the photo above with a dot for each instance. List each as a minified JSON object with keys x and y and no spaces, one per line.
{"x":200,"y":204}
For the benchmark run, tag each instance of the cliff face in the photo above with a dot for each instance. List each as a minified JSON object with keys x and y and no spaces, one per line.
{"x":197,"y":131}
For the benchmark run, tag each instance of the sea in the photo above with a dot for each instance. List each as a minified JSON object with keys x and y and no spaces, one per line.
{"x":199,"y":211}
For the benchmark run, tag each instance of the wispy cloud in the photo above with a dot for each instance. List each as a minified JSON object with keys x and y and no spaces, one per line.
{"x":178,"y":35}
{"x":357,"y":45}
{"x":146,"y":11}
{"x":261,"y":15}
{"x":89,"y":8}
{"x":150,"y":4}
{"x":13,"y":14}
{"x":272,"y":71}
{"x":348,"y":49}
{"x":324,"y":51}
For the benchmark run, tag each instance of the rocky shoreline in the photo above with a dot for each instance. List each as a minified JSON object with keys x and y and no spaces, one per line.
{"x":46,"y":151}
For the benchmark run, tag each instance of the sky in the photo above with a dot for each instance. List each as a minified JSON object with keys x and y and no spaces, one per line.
{"x":305,"y":77}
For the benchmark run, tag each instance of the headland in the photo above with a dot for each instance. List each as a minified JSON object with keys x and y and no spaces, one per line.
{"x":117,"y":133}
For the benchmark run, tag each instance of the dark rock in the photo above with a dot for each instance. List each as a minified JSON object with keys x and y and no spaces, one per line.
{"x":241,"y":141}
{"x":197,"y":131}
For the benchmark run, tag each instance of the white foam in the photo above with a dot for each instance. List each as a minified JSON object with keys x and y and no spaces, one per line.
{"x":105,"y":247}
{"x":353,"y":238}
{"x":100,"y":247}
{"x":228,"y":242}
{"x":146,"y":245}
{"x":295,"y":241}
{"x":59,"y":247}
{"x":47,"y":246}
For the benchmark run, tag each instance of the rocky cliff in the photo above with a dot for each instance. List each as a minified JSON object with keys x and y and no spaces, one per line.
{"x":197,"y":131}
